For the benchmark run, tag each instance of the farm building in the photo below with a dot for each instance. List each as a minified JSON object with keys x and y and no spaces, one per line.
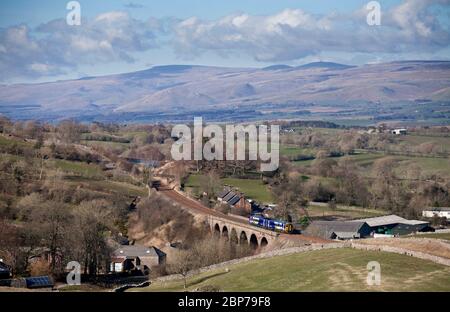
{"x":136,"y":258}
{"x":235,"y":200}
{"x":398,"y":131}
{"x":385,"y":225}
{"x":439,"y":212}
{"x":338,"y":229}
{"x":395,"y":225}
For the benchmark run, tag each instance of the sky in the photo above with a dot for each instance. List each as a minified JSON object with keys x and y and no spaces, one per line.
{"x":116,"y":36}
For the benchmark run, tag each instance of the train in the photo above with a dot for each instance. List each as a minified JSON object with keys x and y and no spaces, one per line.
{"x":271,"y":224}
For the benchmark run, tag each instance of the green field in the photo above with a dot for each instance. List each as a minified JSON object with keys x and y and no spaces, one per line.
{"x":419,"y":139}
{"x":324,"y":270}
{"x":428,"y":165}
{"x":78,"y":168}
{"x":303,"y":162}
{"x":291,"y":151}
{"x":193,"y":180}
{"x":122,"y":146}
{"x":120,"y":188}
{"x":252,"y":188}
{"x":365,"y":159}
{"x":4,"y":141}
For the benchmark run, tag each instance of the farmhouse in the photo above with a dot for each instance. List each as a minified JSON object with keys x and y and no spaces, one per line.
{"x":438,"y":212}
{"x":235,"y":199}
{"x":135,"y":258}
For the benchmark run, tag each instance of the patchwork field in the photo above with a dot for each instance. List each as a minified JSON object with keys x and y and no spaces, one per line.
{"x":324,"y":270}
{"x":442,"y":141}
{"x":428,"y":165}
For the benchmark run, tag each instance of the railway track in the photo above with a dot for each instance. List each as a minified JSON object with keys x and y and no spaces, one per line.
{"x":197,"y":207}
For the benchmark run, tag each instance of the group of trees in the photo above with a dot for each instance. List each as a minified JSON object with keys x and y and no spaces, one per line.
{"x":46,"y":221}
{"x":159,"y":218}
{"x":56,"y":233}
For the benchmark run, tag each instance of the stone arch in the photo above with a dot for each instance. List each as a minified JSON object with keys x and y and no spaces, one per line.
{"x":264,"y":242}
{"x":217,"y":230}
{"x":225,"y":232}
{"x":243,"y":238}
{"x":233,"y":236}
{"x":253,"y":241}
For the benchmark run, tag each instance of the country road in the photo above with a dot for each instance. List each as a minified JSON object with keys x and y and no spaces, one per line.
{"x":197,"y":207}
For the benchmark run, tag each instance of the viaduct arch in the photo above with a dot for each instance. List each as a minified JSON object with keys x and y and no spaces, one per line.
{"x":240,"y":233}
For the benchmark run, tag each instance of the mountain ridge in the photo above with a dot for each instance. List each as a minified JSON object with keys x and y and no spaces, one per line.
{"x":168,"y":88}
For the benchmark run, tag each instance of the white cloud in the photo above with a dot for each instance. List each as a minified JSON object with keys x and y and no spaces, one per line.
{"x":55,"y":47}
{"x":112,"y":17}
{"x":40,"y":68}
{"x":293,"y":34}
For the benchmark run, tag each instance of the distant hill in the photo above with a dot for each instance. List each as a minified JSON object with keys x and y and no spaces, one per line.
{"x":328,"y":65}
{"x":187,"y":89}
{"x":277,"y":67}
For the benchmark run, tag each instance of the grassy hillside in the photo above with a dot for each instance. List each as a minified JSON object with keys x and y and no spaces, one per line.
{"x":325,"y":270}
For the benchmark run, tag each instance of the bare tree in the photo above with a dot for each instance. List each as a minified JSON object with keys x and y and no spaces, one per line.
{"x":51,"y":221}
{"x":184,"y":262}
{"x":69,"y":131}
{"x":92,"y":220}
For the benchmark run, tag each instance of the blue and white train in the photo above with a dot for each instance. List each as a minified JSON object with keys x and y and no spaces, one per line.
{"x":271,"y":224}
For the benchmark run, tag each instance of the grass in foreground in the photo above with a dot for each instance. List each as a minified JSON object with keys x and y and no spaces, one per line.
{"x":324,"y":270}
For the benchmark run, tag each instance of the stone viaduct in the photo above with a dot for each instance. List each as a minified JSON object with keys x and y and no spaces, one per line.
{"x":241,"y":233}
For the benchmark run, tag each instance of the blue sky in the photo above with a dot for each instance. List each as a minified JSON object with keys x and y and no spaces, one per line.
{"x":36,"y":12}
{"x":121,"y":36}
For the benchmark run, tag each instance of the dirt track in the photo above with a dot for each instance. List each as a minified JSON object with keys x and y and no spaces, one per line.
{"x":197,"y":207}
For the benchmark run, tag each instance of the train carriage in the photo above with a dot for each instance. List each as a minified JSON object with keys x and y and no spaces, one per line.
{"x":271,"y":224}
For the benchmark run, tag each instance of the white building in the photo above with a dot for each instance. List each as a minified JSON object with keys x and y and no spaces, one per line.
{"x":440,"y":212}
{"x":398,"y":131}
